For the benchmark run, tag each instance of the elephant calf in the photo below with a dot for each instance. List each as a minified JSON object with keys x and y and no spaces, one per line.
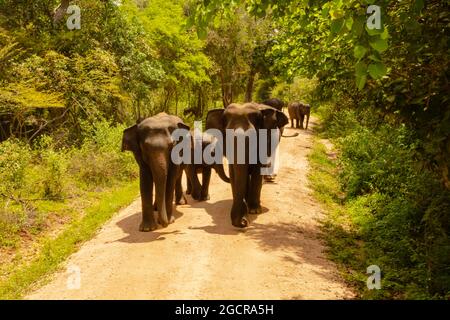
{"x":200,"y":191}
{"x":151,"y":143}
{"x":297,"y":111}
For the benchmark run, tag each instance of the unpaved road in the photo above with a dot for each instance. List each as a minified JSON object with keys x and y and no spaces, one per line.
{"x":201,"y":256}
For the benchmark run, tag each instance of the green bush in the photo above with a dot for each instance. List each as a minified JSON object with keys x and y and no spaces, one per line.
{"x":301,"y":89}
{"x":399,"y":207}
{"x":53,"y":168}
{"x":37,"y":178}
{"x":15,"y":156}
{"x":100,"y":160}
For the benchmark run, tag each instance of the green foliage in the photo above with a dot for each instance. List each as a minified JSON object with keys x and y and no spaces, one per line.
{"x":54,"y":250}
{"x":399,"y":209}
{"x":125,"y":62}
{"x":301,"y":89}
{"x":400,"y":69}
{"x":99,"y":160}
{"x":53,"y":169}
{"x":35,"y":179}
{"x":14,"y":159}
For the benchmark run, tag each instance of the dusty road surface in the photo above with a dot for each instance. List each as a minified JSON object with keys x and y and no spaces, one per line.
{"x":201,"y":256}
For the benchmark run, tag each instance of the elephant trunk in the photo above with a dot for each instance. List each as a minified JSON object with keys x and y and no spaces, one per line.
{"x":221,"y":172}
{"x":239,"y":187}
{"x":159,"y":166}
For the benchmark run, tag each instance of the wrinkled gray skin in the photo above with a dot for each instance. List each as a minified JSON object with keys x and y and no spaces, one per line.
{"x":151,"y":143}
{"x":246,"y":179}
{"x":200,"y":191}
{"x":298,"y":111}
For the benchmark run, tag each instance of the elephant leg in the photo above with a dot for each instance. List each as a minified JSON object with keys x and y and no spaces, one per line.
{"x":307,"y":120}
{"x":254,"y":191}
{"x":297,"y":123}
{"x":189,"y":183}
{"x":206,"y":177}
{"x":180,"y":198}
{"x":292,"y":123}
{"x":302,"y":118}
{"x":172,"y":177}
{"x":196,"y":187}
{"x":146,"y":186}
{"x":239,"y":182}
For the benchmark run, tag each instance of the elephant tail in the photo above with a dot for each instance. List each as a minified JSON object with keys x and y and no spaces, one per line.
{"x":221,"y":172}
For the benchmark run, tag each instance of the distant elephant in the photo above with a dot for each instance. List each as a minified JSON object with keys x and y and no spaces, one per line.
{"x":200,"y":191}
{"x":246,"y":179}
{"x":151,"y":143}
{"x":274,"y":103}
{"x":297,"y":111}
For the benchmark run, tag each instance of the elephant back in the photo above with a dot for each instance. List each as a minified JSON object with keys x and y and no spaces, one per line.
{"x":293,"y":109}
{"x":274,"y":103}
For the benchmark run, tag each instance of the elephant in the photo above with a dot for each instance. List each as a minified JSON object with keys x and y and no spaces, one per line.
{"x":297,"y":111}
{"x":246,"y":178}
{"x":151,"y":143}
{"x":200,"y":191}
{"x":274,"y":103}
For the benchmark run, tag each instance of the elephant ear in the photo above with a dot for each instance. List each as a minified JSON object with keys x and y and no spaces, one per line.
{"x":282,"y":119}
{"x":185,"y":134}
{"x":182,"y":125}
{"x":273,"y":118}
{"x":130,"y":140}
{"x":215,"y":120}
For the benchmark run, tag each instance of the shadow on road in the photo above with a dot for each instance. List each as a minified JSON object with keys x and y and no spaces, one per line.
{"x":220,"y":214}
{"x":130,"y":226}
{"x":297,"y":244}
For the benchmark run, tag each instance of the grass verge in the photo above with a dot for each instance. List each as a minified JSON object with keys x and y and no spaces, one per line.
{"x":345,"y":247}
{"x":55,"y":250}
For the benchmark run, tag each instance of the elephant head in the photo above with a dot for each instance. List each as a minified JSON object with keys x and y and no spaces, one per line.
{"x":151,"y":143}
{"x":246,"y":179}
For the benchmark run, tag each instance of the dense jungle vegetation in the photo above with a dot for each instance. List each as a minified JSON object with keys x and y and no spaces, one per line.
{"x":382,"y":95}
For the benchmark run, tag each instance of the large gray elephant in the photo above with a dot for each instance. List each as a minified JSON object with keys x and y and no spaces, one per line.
{"x":200,"y":191}
{"x":298,"y":111}
{"x":246,"y":178}
{"x":151,"y":143}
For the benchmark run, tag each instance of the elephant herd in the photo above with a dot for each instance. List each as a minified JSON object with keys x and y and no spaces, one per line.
{"x":297,"y":111}
{"x":152,"y":141}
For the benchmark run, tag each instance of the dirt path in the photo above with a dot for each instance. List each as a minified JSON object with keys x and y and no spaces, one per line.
{"x":201,"y":256}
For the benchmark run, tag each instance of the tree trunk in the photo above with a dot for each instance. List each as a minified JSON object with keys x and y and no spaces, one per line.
{"x":250,"y":85}
{"x":60,"y":11}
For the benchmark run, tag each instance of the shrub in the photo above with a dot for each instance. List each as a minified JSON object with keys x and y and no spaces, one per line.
{"x":399,"y":207}
{"x":53,"y":165}
{"x":15,"y":156}
{"x":36,"y":178}
{"x":100,"y":160}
